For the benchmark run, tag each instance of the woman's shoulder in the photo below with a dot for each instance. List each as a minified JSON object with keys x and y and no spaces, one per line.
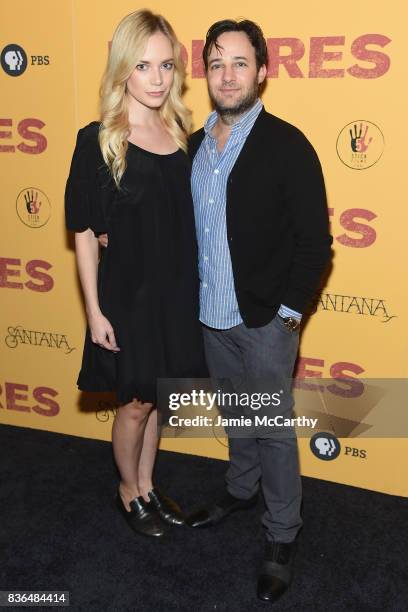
{"x":89,"y":133}
{"x":87,"y":143}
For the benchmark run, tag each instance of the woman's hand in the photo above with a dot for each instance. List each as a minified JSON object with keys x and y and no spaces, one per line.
{"x":103,"y":240}
{"x":86,"y":246}
{"x":102,"y":332}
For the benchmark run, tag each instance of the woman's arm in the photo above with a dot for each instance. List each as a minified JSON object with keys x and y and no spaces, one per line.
{"x":87,"y":253}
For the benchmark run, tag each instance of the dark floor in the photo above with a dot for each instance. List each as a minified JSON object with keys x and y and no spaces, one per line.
{"x":59,"y":530}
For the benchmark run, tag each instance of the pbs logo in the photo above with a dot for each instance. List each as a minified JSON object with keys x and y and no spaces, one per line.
{"x":325,"y":446}
{"x":13,"y":60}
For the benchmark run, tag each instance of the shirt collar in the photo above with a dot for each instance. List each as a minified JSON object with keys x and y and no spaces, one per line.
{"x":243,"y":126}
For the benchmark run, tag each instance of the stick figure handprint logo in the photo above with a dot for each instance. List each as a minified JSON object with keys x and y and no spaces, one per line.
{"x":13,"y":60}
{"x":360,"y":144}
{"x":33,"y":207}
{"x":32,"y":204}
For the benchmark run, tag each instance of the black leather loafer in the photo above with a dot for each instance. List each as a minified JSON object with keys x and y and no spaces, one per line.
{"x":276,"y":572}
{"x":142,"y":518}
{"x":167,"y":508}
{"x":207,"y":517}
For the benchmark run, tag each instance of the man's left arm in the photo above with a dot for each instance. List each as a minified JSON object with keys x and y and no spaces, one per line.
{"x":305,"y":196}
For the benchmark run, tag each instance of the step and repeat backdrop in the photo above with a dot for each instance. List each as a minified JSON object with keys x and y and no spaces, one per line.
{"x":336,"y":72}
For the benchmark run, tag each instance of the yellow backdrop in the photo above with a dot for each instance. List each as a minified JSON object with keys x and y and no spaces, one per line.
{"x":332,"y":71}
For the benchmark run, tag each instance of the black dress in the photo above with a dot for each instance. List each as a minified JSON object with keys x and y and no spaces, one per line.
{"x":147,"y":276}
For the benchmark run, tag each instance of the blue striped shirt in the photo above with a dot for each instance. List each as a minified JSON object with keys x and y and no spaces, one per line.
{"x":211,"y":168}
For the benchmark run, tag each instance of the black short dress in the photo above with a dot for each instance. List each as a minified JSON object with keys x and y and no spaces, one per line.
{"x":148,"y":285}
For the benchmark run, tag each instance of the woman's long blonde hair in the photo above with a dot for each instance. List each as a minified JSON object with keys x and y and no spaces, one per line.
{"x":128,"y":44}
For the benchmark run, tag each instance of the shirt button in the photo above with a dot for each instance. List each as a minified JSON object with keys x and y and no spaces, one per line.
{"x":216,"y":171}
{"x":205,"y":258}
{"x":207,"y":229}
{"x":205,"y":285}
{"x":211,"y":201}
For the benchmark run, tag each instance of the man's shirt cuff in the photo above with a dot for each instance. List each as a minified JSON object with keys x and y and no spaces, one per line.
{"x":284,"y":312}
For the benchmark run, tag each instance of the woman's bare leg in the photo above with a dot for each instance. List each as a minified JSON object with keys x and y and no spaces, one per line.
{"x":127,"y":440}
{"x":148,"y":455}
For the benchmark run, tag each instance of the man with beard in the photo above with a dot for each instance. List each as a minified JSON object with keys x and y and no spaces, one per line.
{"x":262,"y":231}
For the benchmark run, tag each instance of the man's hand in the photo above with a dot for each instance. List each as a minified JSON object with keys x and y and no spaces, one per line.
{"x":102,"y":332}
{"x":103,"y":240}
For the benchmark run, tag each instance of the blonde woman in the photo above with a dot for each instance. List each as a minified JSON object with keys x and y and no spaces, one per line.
{"x":129,"y":178}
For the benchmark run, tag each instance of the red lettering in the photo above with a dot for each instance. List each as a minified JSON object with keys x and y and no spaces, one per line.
{"x":380,"y":60}
{"x":197,"y":64}
{"x":353,"y":387}
{"x":6,"y":134}
{"x":33,"y":271}
{"x":318,"y":55}
{"x":40,"y":394}
{"x":184,"y":54}
{"x":27,"y":134}
{"x":12,"y":397}
{"x":302,"y":371}
{"x":275,"y":59}
{"x":16,"y":392}
{"x":347,"y":221}
{"x":348,"y":387}
{"x":5,"y":272}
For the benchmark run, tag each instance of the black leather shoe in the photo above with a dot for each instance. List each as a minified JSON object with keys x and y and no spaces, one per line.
{"x":142,"y":518}
{"x":222,"y":508}
{"x":276,"y":572}
{"x":168,"y":510}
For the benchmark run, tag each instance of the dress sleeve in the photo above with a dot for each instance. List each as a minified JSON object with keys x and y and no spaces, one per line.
{"x":83,"y":197}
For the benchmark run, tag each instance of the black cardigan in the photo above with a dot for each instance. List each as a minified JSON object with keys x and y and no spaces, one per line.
{"x":277,"y":220}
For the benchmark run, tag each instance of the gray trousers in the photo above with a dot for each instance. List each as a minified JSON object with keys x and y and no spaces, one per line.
{"x":259,"y":355}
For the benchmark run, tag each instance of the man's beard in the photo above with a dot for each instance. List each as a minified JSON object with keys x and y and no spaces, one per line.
{"x":244,"y":104}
